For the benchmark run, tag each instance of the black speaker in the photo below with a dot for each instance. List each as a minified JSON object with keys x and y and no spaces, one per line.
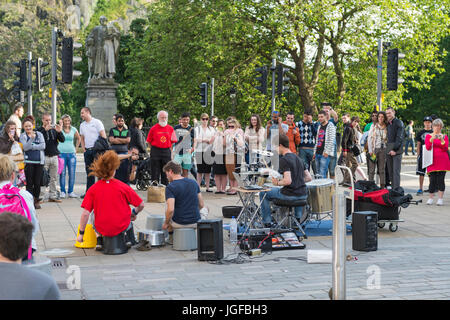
{"x":365,"y":231}
{"x":210,"y":240}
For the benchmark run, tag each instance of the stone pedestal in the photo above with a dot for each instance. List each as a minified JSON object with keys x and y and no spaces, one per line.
{"x":101,"y":99}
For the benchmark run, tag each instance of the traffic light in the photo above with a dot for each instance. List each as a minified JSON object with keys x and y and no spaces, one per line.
{"x":393,"y":68}
{"x":41,"y":74}
{"x":282,"y":79}
{"x":262,"y":79}
{"x":67,"y":60}
{"x":22,"y":82}
{"x":204,"y":94}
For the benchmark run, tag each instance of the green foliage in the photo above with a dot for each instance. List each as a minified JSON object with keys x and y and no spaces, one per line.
{"x":435,"y":99}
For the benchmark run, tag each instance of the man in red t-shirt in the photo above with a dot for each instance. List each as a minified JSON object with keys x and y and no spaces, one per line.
{"x":160,"y":138}
{"x":110,"y":200}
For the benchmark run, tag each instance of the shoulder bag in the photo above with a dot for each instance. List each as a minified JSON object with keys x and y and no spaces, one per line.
{"x":156,"y":193}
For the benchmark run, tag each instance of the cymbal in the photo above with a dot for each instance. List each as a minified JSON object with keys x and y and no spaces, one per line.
{"x":263,"y":152}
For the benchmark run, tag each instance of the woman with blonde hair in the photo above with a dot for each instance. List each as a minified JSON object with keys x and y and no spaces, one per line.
{"x":110,"y":201}
{"x":204,"y":136}
{"x":234,"y":151}
{"x":67,"y":152}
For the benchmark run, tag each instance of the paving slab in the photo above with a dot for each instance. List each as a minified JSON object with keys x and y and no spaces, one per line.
{"x":413,"y":263}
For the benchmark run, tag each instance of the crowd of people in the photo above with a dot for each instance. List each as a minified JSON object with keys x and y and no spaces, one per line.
{"x":211,"y":150}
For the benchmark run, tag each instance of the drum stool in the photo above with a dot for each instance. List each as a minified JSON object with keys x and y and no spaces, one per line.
{"x":115,"y":245}
{"x":291,"y":205}
{"x":184,"y":239}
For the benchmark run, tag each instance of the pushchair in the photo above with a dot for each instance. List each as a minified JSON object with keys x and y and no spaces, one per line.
{"x":143,"y":174}
{"x":386,"y":202}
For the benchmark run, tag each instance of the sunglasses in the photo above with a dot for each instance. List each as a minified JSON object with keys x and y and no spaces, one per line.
{"x":231,"y":127}
{"x":205,"y":119}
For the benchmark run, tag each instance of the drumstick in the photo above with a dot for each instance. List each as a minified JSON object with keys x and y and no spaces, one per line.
{"x":265,"y":163}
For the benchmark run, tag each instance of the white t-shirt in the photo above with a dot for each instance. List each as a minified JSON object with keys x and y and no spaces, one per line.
{"x":90,"y":131}
{"x":200,"y":133}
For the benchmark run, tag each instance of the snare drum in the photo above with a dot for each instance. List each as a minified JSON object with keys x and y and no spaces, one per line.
{"x":320,"y":195}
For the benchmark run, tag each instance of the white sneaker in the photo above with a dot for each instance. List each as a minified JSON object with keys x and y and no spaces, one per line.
{"x":62,"y":195}
{"x":440,"y":202}
{"x":73,"y":195}
{"x":430,"y":201}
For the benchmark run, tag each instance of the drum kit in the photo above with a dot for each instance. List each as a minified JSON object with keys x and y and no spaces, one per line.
{"x":320,"y":191}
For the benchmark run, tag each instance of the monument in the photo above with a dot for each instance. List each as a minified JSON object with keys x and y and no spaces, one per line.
{"x":102,"y":48}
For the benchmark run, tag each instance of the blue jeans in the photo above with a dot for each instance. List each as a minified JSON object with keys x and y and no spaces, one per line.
{"x":306,"y":155}
{"x":275,"y":193}
{"x":322,"y":165}
{"x":70,"y":162}
{"x":409,"y":142}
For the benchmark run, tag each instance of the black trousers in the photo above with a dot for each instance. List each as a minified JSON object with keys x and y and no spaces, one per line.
{"x":158,"y":159}
{"x":437,"y":181}
{"x":33,"y":174}
{"x":122,"y":173}
{"x":89,"y":157}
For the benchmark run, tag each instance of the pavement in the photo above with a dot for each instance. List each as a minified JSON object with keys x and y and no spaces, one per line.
{"x":411,"y":263}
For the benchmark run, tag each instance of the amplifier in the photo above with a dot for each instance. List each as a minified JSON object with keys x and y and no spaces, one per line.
{"x":257,"y":241}
{"x":210,"y":240}
{"x":365,"y":231}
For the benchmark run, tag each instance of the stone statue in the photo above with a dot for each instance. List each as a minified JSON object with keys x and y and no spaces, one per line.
{"x":102,"y":47}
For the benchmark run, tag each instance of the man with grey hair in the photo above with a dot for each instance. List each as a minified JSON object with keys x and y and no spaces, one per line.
{"x":160,"y":139}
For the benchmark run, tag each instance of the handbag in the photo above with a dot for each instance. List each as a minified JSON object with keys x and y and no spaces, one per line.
{"x":156,"y":192}
{"x":356,"y":150}
{"x":60,"y":165}
{"x":45,"y":179}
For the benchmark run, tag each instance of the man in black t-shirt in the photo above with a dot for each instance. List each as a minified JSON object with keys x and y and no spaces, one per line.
{"x":420,"y":139}
{"x":292,"y":184}
{"x":119,"y":137}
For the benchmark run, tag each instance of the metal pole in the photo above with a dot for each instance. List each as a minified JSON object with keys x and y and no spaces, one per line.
{"x":339,"y":287}
{"x":54,"y":68}
{"x":212,"y":97}
{"x":379,"y":73}
{"x":273,"y":68}
{"x":30,"y":83}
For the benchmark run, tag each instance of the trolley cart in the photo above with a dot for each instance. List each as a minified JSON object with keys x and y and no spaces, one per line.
{"x":388,"y":204}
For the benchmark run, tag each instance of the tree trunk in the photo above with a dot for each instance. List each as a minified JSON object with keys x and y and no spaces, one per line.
{"x":340,"y":90}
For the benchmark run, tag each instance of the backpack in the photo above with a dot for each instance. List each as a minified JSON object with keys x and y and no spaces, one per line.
{"x":12,"y":201}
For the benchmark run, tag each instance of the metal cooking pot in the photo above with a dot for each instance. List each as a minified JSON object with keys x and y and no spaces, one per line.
{"x":320,"y":195}
{"x":154,"y":222}
{"x":156,"y":238}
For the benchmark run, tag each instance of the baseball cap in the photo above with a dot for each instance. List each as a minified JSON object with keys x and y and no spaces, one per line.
{"x":428,"y":118}
{"x":275,"y":112}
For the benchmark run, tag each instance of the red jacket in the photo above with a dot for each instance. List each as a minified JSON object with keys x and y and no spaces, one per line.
{"x":294,"y":137}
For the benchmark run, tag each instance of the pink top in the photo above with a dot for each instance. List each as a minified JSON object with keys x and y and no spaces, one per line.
{"x":441,"y":161}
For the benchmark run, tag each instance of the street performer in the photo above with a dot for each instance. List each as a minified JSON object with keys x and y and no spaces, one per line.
{"x":292,"y":186}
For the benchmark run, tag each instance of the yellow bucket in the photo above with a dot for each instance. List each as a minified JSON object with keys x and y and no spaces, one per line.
{"x":89,"y":238}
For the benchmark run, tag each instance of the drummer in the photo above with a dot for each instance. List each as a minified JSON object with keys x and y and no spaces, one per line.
{"x":292,"y":184}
